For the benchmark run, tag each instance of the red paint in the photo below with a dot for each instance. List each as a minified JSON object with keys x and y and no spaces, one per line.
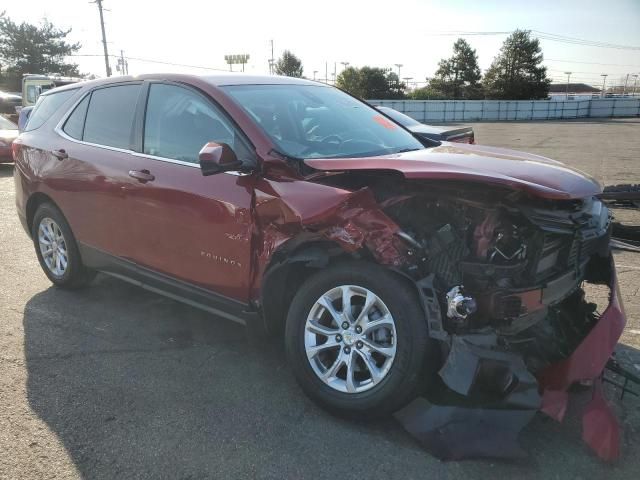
{"x":587,"y":362}
{"x":554,"y":404}
{"x":600,"y":428}
{"x":483,"y":234}
{"x":590,"y":357}
{"x":478,"y":164}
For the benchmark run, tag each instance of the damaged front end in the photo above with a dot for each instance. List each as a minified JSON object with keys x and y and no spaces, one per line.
{"x":502,"y":274}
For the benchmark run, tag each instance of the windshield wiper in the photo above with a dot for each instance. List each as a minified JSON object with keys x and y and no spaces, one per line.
{"x":405,"y":150}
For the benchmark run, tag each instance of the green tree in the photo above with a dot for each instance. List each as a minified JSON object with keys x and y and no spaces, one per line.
{"x":459,"y":75}
{"x":289,"y":65}
{"x":27,"y":48}
{"x":427,"y":93}
{"x":516,"y":73}
{"x":371,"y":83}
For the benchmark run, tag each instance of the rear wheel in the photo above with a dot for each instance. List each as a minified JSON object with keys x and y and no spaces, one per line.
{"x":357,"y":340}
{"x":57,"y":249}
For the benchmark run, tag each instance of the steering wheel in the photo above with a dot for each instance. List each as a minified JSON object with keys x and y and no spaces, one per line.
{"x":333,"y":136}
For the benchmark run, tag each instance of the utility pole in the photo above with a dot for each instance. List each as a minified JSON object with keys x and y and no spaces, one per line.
{"x":326,"y":72}
{"x":271,"y":60}
{"x":626,"y":80}
{"x":104,"y":38}
{"x":635,"y":82}
{"x":406,"y":81}
{"x":568,"y":74}
{"x":604,"y":81}
{"x":344,"y":65}
{"x":122,"y":66}
{"x":314,"y":74}
{"x":335,"y":71}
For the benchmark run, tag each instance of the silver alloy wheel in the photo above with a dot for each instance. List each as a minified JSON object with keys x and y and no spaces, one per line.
{"x":53,"y":247}
{"x":350,"y":339}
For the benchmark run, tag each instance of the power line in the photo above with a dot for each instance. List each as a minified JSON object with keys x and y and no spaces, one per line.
{"x":580,"y":41}
{"x":149,"y":60}
{"x":592,"y":63}
{"x":545,"y":36}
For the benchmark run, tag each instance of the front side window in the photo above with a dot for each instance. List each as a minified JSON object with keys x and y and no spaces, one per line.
{"x":46,"y":106}
{"x":309,"y":121}
{"x":180,"y":122}
{"x":110,"y":116}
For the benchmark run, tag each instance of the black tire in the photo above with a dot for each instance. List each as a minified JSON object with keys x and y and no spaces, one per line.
{"x":75,"y":275}
{"x":415,"y":363}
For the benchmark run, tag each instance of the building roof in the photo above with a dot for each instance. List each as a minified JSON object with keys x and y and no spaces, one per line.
{"x":573,"y":88}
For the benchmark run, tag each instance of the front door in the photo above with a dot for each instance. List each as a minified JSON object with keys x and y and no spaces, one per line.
{"x":193,"y":228}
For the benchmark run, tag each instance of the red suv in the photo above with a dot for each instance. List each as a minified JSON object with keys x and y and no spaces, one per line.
{"x":390,"y":267}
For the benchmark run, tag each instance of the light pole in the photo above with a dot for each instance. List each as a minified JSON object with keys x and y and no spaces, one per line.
{"x":398,"y":65}
{"x":626,"y":80}
{"x":568,"y":74}
{"x":344,"y":65}
{"x":604,"y":82}
{"x":635,"y":82}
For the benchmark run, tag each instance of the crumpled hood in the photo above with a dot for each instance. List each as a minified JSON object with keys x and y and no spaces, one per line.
{"x":537,"y":175}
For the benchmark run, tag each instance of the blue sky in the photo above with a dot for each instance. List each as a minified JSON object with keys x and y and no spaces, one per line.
{"x":372,"y":32}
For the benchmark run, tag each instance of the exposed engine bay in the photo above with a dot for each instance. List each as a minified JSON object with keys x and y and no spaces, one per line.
{"x":508,"y":265}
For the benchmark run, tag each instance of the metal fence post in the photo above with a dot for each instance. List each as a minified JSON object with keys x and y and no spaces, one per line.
{"x":613,"y":108}
{"x":531,"y":109}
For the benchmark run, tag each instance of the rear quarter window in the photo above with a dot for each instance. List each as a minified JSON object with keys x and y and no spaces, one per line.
{"x":74,"y":126}
{"x":110,"y":115}
{"x":46,"y":106}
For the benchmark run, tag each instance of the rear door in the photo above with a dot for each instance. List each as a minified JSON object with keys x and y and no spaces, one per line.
{"x":193,"y":228}
{"x":96,"y":138}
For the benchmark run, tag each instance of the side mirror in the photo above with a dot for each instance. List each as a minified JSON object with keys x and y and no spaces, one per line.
{"x":217,"y":158}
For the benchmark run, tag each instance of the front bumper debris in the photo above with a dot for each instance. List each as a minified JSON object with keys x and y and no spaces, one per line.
{"x":600,"y":427}
{"x":487,"y":395}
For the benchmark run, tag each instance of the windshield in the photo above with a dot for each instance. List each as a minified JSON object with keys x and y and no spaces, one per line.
{"x":308,"y":121}
{"x":401,"y":118}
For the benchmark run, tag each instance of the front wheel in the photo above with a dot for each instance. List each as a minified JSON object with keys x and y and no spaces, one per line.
{"x":356,"y":339}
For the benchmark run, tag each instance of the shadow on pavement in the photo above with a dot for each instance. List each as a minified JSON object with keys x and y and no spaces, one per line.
{"x":136,"y":385}
{"x":6,"y":170}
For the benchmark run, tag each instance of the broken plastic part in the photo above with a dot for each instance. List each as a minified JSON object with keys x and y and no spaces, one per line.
{"x":452,"y":432}
{"x":487,"y":398}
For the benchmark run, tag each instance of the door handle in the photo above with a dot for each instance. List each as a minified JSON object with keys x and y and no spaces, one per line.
{"x":142,"y":176}
{"x":60,"y":154}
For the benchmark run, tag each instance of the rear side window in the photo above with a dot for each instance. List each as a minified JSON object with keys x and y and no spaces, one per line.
{"x":110,"y":116}
{"x":46,"y":106}
{"x":75,"y":123}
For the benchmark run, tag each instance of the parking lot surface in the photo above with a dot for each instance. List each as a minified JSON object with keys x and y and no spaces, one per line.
{"x":115,"y":382}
